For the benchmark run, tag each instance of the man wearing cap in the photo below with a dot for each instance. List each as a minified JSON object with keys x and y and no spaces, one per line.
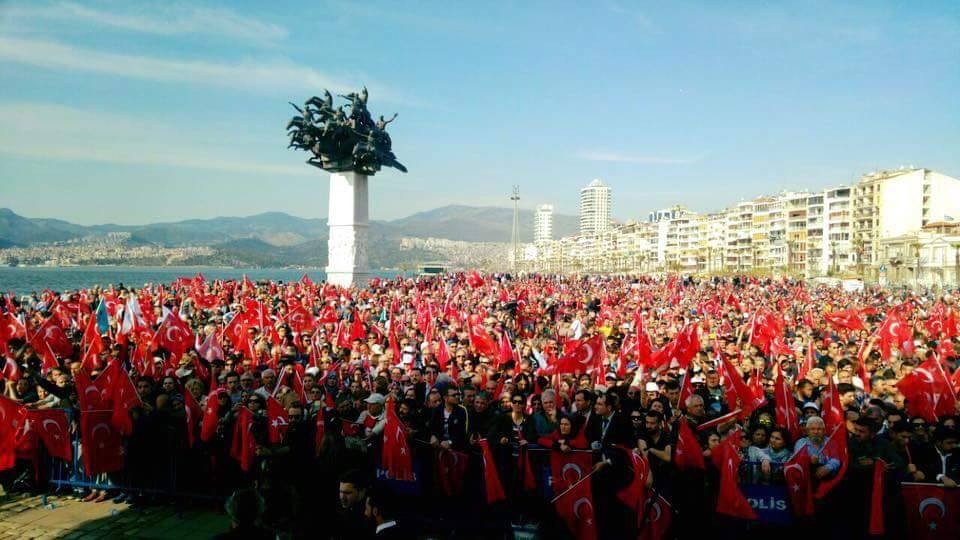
{"x":373,"y":419}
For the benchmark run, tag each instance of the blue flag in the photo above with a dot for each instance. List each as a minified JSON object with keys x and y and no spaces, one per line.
{"x":103,"y":318}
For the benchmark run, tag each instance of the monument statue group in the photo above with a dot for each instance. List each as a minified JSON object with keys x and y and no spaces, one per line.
{"x":345,"y":141}
{"x":340,"y":141}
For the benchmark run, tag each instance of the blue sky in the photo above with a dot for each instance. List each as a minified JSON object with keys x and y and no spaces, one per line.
{"x":132,"y":112}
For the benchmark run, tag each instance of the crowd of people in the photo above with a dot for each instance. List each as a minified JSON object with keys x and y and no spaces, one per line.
{"x":587,"y":407}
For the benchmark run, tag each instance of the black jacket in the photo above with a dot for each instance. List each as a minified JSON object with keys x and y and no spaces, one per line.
{"x":457,"y":426}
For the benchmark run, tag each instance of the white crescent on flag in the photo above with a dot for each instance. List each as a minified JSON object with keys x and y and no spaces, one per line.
{"x":936,"y":503}
{"x":589,"y":357}
{"x":571,"y":467}
{"x":48,"y":430}
{"x":583,"y":501}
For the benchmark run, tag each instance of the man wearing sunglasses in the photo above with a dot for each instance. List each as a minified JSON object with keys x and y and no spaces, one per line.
{"x":448,"y":424}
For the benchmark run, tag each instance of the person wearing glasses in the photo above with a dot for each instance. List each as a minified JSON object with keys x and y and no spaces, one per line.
{"x":449,"y":423}
{"x":515,"y":428}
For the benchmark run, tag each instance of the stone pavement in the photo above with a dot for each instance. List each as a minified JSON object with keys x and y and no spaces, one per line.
{"x":25,"y":516}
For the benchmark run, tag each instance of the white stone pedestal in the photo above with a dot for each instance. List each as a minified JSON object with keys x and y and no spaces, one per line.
{"x":348,"y":221}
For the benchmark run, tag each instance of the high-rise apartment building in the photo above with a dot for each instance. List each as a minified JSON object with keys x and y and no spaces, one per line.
{"x":595,"y":202}
{"x":543,"y":224}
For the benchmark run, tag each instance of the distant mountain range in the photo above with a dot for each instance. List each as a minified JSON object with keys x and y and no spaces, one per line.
{"x":278,"y":238}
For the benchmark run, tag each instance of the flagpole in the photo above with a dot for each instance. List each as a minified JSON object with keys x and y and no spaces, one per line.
{"x":569,"y":489}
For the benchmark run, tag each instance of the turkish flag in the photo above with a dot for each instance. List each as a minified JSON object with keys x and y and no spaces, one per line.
{"x":357,"y":329}
{"x":659,"y":520}
{"x":481,"y":341}
{"x":300,"y":320}
{"x":933,"y":512}
{"x":54,"y":430}
{"x":393,"y":342}
{"x":944,"y":397}
{"x":174,"y":335}
{"x":11,"y":370}
{"x":643,"y":347}
{"x":327,"y":315}
{"x":749,"y":401}
{"x":566,"y":469}
{"x":575,"y":508}
{"x":208,"y":426}
{"x":796,"y":471}
{"x":893,"y":333}
{"x":210,"y":349}
{"x":124,"y":397}
{"x":634,"y":494}
{"x":688,"y":454}
{"x":876,"y":498}
{"x":243,"y":446}
{"x":12,"y":416}
{"x":588,"y":354}
{"x":88,"y":393}
{"x":848,"y":319}
{"x":278,"y":421}
{"x":523,"y":464}
{"x":832,"y":412}
{"x":730,"y":500}
{"x":193,"y":414}
{"x":765,"y":330}
{"x":786,"y":411}
{"x":836,"y":448}
{"x":809,"y":362}
{"x":451,"y":469}
{"x":920,"y":390}
{"x":52,"y":335}
{"x":11,"y":328}
{"x":490,"y":475}
{"x":101,"y":444}
{"x":397,"y":460}
{"x":443,"y":354}
{"x":474,"y":280}
{"x":506,"y":349}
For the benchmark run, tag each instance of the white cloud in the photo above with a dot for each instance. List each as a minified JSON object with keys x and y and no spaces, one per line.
{"x":616,"y":157}
{"x":159,"y":19}
{"x":246,"y":74}
{"x":47,"y":131}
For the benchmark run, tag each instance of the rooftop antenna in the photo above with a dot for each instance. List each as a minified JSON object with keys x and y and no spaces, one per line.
{"x":515,"y":236}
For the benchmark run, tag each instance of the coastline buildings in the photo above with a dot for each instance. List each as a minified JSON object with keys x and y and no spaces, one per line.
{"x":892,"y":226}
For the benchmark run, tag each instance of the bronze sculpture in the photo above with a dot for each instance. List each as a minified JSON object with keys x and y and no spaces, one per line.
{"x":340,"y":142}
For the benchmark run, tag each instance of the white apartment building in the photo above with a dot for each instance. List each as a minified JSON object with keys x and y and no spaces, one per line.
{"x":595,"y":203}
{"x":543,"y":224}
{"x":838,"y":250}
{"x":894,"y":203}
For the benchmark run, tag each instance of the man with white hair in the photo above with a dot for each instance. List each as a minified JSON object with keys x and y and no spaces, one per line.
{"x":823,"y":466}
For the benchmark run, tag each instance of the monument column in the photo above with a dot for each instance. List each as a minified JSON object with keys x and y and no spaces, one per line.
{"x":347,"y":218}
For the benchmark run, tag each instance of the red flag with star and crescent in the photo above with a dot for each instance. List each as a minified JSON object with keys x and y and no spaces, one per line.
{"x":397,"y":460}
{"x":52,"y":428}
{"x":796,"y":471}
{"x":932,"y":511}
{"x":731,"y":500}
{"x":575,"y":508}
{"x":587,"y":355}
{"x":102,"y":448}
{"x":278,"y":421}
{"x":12,"y":416}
